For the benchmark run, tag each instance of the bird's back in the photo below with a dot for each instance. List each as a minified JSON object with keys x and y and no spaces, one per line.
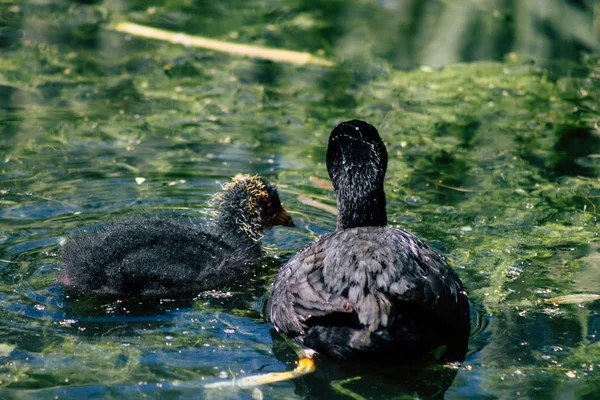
{"x":367,"y":290}
{"x":153,"y":255}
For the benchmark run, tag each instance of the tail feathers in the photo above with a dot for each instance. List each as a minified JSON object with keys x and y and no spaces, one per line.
{"x":335,"y":341}
{"x":347,"y":342}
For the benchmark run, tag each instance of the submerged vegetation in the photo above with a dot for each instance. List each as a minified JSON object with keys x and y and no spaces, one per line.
{"x":496,"y":163}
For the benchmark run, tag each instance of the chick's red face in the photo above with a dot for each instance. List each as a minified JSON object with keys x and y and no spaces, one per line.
{"x":272,"y":213}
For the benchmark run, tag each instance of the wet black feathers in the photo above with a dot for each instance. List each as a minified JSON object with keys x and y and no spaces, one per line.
{"x":156,"y":255}
{"x":357,"y":162}
{"x":367,"y":289}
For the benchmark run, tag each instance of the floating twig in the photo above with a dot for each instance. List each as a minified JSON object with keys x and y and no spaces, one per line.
{"x":305,"y":366}
{"x":440,"y":184}
{"x":322,"y":183}
{"x":265,"y":53}
{"x":317,"y":204}
{"x":338,"y":386}
{"x":579,"y":298}
{"x":591,"y":202}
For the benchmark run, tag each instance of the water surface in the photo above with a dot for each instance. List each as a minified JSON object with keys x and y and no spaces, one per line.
{"x":494,"y":162}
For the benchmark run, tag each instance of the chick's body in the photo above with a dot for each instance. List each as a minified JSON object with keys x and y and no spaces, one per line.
{"x":156,"y":255}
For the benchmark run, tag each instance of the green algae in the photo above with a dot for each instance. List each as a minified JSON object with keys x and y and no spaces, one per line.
{"x":494,"y":163}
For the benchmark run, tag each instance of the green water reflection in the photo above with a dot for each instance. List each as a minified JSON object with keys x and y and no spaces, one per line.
{"x":494,"y":162}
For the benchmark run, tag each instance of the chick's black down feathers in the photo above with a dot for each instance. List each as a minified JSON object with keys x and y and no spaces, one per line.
{"x":154,"y":255}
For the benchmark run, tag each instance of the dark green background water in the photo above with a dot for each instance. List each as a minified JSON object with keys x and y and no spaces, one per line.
{"x":495,"y":162}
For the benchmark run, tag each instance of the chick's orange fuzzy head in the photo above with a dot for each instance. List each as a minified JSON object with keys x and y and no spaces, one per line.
{"x":253,"y":203}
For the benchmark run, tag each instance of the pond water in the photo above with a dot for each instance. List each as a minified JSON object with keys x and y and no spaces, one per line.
{"x":494,"y":162}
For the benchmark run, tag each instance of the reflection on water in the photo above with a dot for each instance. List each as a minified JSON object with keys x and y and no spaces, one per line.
{"x":495,"y":164}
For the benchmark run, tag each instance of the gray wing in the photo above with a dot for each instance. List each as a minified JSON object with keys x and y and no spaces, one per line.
{"x":299,"y":292}
{"x":365,"y":271}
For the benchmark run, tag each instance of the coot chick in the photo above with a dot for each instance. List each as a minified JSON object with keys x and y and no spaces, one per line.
{"x":368,"y":290}
{"x":157,"y":255}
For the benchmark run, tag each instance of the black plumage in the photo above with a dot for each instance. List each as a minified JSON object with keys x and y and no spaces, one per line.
{"x":159,"y":255}
{"x":368,"y":289}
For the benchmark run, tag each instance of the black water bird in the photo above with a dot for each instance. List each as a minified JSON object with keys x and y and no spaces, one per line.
{"x":368,"y":290}
{"x":159,"y":255}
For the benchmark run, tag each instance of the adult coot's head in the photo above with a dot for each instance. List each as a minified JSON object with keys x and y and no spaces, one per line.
{"x":252,"y":204}
{"x":357,"y":161}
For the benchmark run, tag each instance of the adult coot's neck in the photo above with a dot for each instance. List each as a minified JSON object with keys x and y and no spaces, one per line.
{"x":357,"y":162}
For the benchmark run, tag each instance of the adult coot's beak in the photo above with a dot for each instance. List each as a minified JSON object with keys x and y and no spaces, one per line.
{"x":282,"y":218}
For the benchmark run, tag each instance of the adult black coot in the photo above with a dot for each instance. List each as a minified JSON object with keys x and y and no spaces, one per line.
{"x":368,"y":290}
{"x":160,"y":255}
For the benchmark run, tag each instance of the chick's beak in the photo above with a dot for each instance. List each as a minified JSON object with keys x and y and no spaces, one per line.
{"x":282,"y":218}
